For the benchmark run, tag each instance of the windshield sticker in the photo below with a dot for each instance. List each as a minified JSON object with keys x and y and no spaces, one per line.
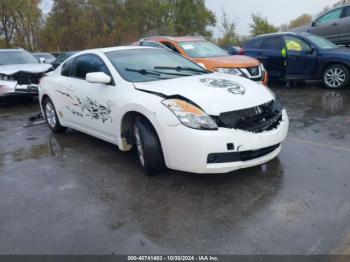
{"x":232,"y":87}
{"x":188,"y":47}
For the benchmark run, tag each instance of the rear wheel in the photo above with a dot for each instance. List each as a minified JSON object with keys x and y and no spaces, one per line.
{"x":51,"y":117}
{"x":148,"y":147}
{"x":336,"y":77}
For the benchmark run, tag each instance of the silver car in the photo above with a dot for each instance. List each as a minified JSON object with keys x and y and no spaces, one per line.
{"x":333,"y":24}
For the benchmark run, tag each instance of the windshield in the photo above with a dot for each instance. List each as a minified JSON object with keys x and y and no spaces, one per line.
{"x":202,"y":49}
{"x":321,"y":42}
{"x":16,"y":57}
{"x":143,"y":65}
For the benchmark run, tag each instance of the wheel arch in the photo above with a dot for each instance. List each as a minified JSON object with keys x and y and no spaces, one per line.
{"x":126,"y":129}
{"x":329,"y":63}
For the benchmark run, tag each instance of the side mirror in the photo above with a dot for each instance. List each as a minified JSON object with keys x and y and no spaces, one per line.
{"x":98,"y":78}
{"x":42,"y":60}
{"x":313,"y":24}
{"x":312,"y":50}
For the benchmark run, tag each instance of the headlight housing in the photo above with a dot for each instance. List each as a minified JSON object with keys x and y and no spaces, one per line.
{"x":6,"y":78}
{"x":190,"y":115}
{"x":230,"y":71}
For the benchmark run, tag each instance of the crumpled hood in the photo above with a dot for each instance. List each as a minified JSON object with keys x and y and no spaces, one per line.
{"x":215,"y":93}
{"x":27,"y":68}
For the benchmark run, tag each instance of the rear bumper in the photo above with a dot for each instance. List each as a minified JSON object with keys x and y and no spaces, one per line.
{"x":188,"y":150}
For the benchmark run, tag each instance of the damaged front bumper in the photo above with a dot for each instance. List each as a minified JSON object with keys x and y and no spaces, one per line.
{"x":12,"y":89}
{"x":221,"y":151}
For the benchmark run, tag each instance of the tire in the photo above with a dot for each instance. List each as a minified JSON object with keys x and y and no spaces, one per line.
{"x":51,"y":117}
{"x":148,"y":147}
{"x":336,"y":77}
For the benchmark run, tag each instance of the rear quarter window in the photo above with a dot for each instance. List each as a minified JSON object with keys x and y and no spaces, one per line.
{"x":255,"y":43}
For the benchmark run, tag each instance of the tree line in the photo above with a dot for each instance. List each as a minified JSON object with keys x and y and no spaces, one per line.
{"x":83,"y":24}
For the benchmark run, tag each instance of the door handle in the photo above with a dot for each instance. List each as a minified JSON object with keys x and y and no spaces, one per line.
{"x":334,"y":24}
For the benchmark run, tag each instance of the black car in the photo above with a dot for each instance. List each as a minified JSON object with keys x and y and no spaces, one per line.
{"x":62,"y":57}
{"x":302,"y":56}
{"x":233,"y":50}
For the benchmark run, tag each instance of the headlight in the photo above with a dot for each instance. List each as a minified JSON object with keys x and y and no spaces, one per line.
{"x":6,"y":78}
{"x":190,"y":115}
{"x":231,"y":71}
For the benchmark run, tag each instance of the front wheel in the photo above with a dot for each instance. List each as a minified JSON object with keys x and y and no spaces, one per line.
{"x":336,"y":77}
{"x":51,"y":117}
{"x":148,"y":147}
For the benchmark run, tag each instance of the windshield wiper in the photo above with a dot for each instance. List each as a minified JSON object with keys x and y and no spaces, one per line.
{"x":180,"y":68}
{"x":152,"y":72}
{"x":145,"y":72}
{"x":142,"y":71}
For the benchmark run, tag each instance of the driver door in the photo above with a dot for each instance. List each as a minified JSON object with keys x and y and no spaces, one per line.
{"x":301,"y":59}
{"x":93,"y":106}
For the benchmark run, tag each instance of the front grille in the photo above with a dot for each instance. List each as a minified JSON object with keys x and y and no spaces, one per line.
{"x":23,"y":78}
{"x":231,"y":157}
{"x":257,"y":119}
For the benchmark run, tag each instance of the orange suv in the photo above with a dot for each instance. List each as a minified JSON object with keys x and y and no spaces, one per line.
{"x":210,"y":56}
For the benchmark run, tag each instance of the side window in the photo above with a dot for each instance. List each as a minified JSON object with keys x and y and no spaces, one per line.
{"x":346,"y":12}
{"x":332,"y":15}
{"x":89,"y":64}
{"x":273,"y":43}
{"x":67,"y":68}
{"x":171,"y":47}
{"x":296,"y":44}
{"x":256,"y":44}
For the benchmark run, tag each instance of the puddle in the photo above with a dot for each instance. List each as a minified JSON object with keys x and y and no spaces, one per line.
{"x":50,"y":149}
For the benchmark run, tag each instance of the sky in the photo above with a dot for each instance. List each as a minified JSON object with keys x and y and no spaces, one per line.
{"x":239,"y":11}
{"x":277,"y":11}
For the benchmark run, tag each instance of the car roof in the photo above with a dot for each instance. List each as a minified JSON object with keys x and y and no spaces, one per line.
{"x":108,"y":49}
{"x":276,"y":34}
{"x":11,"y":49}
{"x":282,"y":34}
{"x":177,"y":39}
{"x":115,"y":48}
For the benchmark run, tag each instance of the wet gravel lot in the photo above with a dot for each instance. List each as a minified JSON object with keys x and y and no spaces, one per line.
{"x":74,"y":194}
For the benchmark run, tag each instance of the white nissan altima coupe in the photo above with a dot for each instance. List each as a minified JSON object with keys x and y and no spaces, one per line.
{"x":176,"y":114}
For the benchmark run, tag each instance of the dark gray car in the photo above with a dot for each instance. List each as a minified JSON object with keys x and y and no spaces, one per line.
{"x":333,"y":24}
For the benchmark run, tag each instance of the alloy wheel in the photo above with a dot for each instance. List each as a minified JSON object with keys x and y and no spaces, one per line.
{"x":335,"y":77}
{"x":50,"y":115}
{"x":139,"y":145}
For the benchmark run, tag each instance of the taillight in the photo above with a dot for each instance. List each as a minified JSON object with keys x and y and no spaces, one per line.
{"x":242,"y":51}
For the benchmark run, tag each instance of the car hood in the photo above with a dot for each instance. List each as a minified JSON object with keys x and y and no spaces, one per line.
{"x":27,"y":68}
{"x":215,"y":93}
{"x":228,"y":61}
